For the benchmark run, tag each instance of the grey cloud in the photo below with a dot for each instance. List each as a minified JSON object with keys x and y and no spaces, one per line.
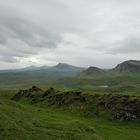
{"x":28,"y":27}
{"x":8,"y":59}
{"x":21,"y":29}
{"x":129,"y":45}
{"x":21,"y":38}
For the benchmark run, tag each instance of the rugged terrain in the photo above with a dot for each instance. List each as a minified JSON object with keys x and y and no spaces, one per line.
{"x":120,"y":107}
{"x":71,"y":103}
{"x":51,"y":114}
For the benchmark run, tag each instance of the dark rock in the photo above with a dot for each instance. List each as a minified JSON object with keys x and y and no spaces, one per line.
{"x":48,"y":92}
{"x":28,"y":93}
{"x":66,"y":98}
{"x":122,"y":107}
{"x":34,"y":88}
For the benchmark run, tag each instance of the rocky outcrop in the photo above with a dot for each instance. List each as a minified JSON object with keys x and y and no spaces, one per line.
{"x":48,"y":92}
{"x":28,"y":93}
{"x":66,"y":98}
{"x":121,"y":107}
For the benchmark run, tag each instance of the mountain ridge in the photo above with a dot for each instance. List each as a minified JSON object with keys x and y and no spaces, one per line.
{"x":128,"y":66}
{"x":43,"y":67}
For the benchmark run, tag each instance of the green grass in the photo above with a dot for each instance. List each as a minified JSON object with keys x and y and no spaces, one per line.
{"x":23,"y":121}
{"x":20,"y":121}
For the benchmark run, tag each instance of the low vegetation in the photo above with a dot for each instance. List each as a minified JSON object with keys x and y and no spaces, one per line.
{"x":122,"y":107}
{"x":94,"y":105}
{"x":38,"y":114}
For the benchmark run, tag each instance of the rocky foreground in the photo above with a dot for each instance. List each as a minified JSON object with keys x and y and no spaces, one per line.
{"x":120,"y":107}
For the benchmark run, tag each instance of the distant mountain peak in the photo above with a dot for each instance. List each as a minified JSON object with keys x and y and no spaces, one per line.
{"x":130,"y":66}
{"x":62,"y":65}
{"x":93,"y":70}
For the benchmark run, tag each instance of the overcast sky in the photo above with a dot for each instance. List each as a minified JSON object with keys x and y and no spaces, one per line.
{"x":79,"y":32}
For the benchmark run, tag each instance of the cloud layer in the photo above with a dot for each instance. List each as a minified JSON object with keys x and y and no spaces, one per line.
{"x":83,"y":33}
{"x":20,"y":37}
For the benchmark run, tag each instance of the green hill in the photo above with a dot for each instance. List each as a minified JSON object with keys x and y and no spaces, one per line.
{"x":91,"y":72}
{"x":132,"y":66}
{"x":126,"y":81}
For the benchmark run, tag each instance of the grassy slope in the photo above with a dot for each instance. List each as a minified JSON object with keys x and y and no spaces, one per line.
{"x":27,"y":122}
{"x":24,"y":121}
